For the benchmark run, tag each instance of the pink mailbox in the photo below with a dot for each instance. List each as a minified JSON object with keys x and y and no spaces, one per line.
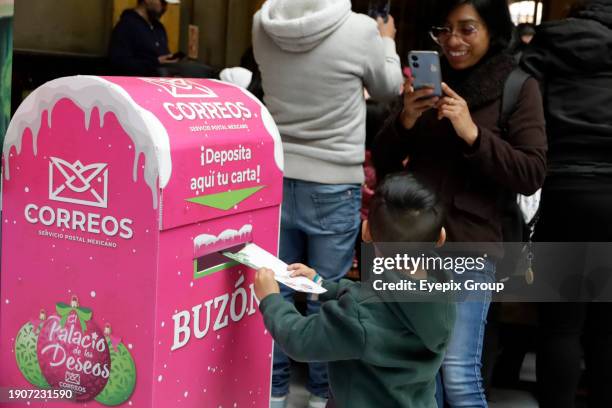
{"x":118,"y":194}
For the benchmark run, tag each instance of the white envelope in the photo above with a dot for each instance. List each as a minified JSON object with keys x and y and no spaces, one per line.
{"x":256,"y":257}
{"x":78,"y":184}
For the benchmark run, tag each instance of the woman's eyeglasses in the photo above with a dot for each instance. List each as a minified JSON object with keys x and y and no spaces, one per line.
{"x":442,"y":34}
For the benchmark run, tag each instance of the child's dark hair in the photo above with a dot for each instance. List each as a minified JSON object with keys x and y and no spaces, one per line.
{"x":494,"y":13}
{"x":404,"y":210}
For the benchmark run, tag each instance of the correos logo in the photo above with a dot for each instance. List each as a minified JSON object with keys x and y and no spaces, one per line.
{"x":200,"y":108}
{"x":182,"y":88}
{"x":76,"y":183}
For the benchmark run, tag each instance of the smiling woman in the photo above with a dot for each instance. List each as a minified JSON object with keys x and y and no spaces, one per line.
{"x":469,"y":29}
{"x":464,"y":38}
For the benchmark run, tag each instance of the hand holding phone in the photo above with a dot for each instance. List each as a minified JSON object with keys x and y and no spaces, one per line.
{"x":178,"y":55}
{"x":166,"y":59}
{"x":423,"y":87}
{"x":379,"y":8}
{"x":425,"y":69}
{"x":387,"y":29}
{"x":416,"y":102}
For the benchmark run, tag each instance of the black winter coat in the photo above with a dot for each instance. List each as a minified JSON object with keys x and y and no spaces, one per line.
{"x":471,"y":182}
{"x":135,"y":45}
{"x":573,"y":60}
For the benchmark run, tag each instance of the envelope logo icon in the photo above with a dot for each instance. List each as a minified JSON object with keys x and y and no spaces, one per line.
{"x":73,"y":378}
{"x":182,"y":88}
{"x":78,"y":184}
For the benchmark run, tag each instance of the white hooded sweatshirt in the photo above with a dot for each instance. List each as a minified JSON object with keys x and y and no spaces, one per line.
{"x":316,"y":57}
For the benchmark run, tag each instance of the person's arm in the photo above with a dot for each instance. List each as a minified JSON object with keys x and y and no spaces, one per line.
{"x":164,"y":47}
{"x":382,"y":71}
{"x":334,"y":333}
{"x":516,"y":161}
{"x":536,"y":56}
{"x":391,"y":145}
{"x":394,"y":143}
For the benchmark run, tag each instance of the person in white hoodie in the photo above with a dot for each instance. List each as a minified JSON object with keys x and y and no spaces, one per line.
{"x":316,"y":57}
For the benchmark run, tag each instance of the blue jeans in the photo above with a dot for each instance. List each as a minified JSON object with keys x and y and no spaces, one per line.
{"x":459,"y":383}
{"x":319,"y":227}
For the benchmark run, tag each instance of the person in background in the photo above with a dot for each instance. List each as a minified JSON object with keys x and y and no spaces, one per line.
{"x":573,"y":60}
{"x":384,"y":350}
{"x":139,"y":43}
{"x":454,"y":143}
{"x":521,"y":37}
{"x":525,"y":32}
{"x":315,"y":58}
{"x":139,"y":46}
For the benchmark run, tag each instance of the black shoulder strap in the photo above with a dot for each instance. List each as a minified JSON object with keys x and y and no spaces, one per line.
{"x":512,"y":90}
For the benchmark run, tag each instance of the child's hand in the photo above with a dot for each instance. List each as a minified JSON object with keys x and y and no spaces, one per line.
{"x":265,"y":284}
{"x":299,"y":269}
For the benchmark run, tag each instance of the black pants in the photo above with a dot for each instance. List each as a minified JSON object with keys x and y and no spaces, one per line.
{"x":564,"y":329}
{"x":576,"y":209}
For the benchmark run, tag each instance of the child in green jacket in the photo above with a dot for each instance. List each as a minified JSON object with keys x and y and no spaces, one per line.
{"x":379,"y":353}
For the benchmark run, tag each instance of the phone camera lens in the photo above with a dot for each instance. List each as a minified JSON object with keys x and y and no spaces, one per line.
{"x":415,"y":58}
{"x":415,"y":64}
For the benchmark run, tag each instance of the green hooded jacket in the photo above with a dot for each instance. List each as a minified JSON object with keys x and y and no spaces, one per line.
{"x":380,"y":354}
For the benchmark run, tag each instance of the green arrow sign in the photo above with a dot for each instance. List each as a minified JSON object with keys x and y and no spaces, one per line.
{"x":226,"y":200}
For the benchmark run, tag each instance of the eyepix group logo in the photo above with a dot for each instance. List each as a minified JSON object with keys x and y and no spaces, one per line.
{"x":77,"y":183}
{"x":182,"y":88}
